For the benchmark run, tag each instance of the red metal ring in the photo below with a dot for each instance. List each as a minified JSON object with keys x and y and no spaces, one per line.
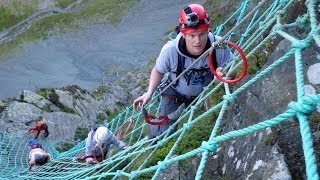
{"x":244,"y":63}
{"x":150,"y":117}
{"x":120,"y":137}
{"x":102,"y":155}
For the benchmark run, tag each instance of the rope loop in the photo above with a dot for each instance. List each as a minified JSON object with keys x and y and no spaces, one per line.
{"x":229,"y":97}
{"x":307,"y":105}
{"x":209,"y":146}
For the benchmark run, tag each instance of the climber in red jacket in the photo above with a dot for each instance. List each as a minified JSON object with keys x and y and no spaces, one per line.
{"x":40,"y":125}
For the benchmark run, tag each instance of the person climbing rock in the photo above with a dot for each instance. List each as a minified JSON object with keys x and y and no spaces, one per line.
{"x":41,"y":124}
{"x":193,"y":40}
{"x":37,"y":156}
{"x":98,"y":143}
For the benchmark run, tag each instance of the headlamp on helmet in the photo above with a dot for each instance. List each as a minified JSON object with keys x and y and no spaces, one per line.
{"x":193,"y":18}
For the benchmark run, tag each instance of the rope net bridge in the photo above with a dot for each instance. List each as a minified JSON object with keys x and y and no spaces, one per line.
{"x":135,"y":161}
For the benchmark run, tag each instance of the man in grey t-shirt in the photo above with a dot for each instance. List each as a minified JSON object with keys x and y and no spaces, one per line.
{"x":193,"y":40}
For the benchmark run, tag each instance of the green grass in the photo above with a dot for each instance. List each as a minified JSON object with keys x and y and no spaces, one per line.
{"x":64,"y":147}
{"x":2,"y":108}
{"x":81,"y":134}
{"x":43,"y":92}
{"x":100,"y":12}
{"x":14,"y":13}
{"x":64,"y":3}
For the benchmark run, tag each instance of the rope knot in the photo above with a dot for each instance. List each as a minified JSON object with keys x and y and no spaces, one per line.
{"x":171,"y":128}
{"x":134,"y":174}
{"x":277,"y":27}
{"x":119,"y":172}
{"x":209,"y":146}
{"x":160,"y":143}
{"x":161,"y":165}
{"x":307,"y":105}
{"x":187,"y":126}
{"x":229,"y":97}
{"x":244,"y":35}
{"x":300,"y":44}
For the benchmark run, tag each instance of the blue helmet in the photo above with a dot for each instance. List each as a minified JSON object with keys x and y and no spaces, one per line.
{"x":34,"y":144}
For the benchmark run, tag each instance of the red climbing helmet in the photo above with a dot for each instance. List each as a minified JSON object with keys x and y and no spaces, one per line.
{"x":193,"y":18}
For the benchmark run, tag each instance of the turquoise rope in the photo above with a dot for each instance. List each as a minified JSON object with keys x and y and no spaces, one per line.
{"x":62,"y":167}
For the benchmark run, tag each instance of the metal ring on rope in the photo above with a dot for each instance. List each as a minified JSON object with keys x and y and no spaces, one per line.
{"x":129,"y":125}
{"x":149,"y":117}
{"x":244,"y":63}
{"x":164,"y":120}
{"x":102,"y":155}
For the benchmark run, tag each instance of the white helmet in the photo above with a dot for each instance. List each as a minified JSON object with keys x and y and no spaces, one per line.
{"x":101,"y":135}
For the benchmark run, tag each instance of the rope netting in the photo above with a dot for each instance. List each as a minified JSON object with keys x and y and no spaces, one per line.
{"x":134,"y":162}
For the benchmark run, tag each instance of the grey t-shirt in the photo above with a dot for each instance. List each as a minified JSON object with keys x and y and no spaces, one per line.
{"x":167,"y":62}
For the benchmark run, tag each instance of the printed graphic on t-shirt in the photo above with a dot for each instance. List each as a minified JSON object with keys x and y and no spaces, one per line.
{"x":198,"y":76}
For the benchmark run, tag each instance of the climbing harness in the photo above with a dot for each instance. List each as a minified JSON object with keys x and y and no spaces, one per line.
{"x":129,"y":125}
{"x":244,"y":64}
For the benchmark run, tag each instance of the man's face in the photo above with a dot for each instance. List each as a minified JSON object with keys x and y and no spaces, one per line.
{"x":196,"y":42}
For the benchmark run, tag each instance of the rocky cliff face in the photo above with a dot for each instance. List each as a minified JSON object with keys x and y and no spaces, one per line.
{"x":67,"y":109}
{"x":273,"y":153}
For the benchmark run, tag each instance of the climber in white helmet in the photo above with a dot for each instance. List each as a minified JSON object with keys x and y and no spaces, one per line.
{"x":98,"y":143}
